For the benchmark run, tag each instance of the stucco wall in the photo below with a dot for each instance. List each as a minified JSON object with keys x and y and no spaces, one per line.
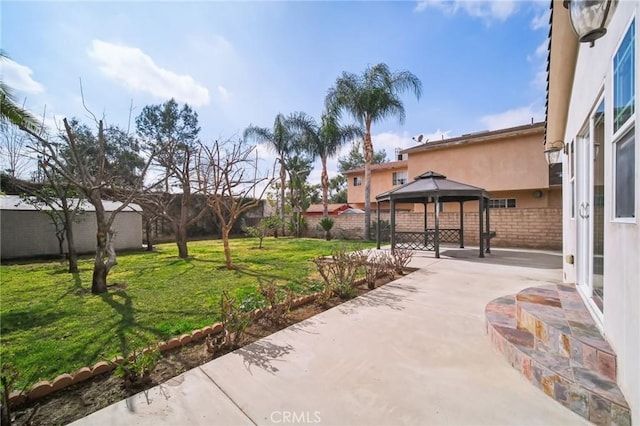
{"x":621,"y":316}
{"x":527,"y":228}
{"x":31,"y":233}
{"x":498,"y":165}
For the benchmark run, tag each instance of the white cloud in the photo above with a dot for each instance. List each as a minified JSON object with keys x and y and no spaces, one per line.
{"x":513,"y":117}
{"x":541,"y":20}
{"x":136,"y":70}
{"x":487,"y":10}
{"x":224,"y":93}
{"x":542,"y":49}
{"x":18,"y":77}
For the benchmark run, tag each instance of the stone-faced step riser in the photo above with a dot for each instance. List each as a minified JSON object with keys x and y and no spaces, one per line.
{"x":548,"y":338}
{"x":587,"y":404}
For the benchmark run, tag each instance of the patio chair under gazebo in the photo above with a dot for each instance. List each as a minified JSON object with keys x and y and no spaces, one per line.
{"x":432,"y":187}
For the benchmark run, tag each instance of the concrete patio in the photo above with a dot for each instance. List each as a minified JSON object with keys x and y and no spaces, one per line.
{"x":412,"y":352}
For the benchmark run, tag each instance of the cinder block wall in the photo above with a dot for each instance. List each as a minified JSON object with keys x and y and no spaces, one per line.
{"x":524,"y":228}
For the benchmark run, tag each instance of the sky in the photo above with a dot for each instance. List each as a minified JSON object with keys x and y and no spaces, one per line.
{"x":482,"y":64}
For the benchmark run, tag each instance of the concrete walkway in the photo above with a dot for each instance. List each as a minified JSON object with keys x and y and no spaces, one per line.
{"x":411,"y":352}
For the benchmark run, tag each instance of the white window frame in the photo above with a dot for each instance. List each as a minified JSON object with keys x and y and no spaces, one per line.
{"x":399,"y":178}
{"x":506,"y":203}
{"x":357,"y":181}
{"x":629,"y":125}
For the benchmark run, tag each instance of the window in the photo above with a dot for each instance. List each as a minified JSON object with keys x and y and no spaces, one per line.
{"x":357,"y":181}
{"x":399,"y":178}
{"x":624,"y":80}
{"x":502,"y":203}
{"x":625,"y":167}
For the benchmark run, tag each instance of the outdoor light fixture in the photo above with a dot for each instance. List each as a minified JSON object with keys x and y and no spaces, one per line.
{"x":553,"y":151}
{"x":589,"y":18}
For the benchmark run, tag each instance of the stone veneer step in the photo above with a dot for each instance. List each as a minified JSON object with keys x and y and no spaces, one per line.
{"x":577,"y":386}
{"x":559,"y":322}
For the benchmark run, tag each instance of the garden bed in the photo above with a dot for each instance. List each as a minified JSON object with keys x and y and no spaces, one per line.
{"x":86,"y":397}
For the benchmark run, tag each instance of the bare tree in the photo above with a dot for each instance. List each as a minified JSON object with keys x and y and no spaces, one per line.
{"x":226,"y":177}
{"x":84,"y":161}
{"x":13,"y":145}
{"x":61,"y":202}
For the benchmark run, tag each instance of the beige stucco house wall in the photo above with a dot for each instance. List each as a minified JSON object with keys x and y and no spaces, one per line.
{"x":509,"y":163}
{"x":27,"y":232}
{"x":582,"y":80}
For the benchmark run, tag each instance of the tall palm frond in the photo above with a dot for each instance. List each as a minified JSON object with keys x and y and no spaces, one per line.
{"x":370,"y":98}
{"x":10,"y":112}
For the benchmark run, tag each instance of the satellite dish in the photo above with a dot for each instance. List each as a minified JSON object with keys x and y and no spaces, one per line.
{"x":420,"y":138}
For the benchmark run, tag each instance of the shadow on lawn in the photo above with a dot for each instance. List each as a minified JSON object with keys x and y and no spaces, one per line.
{"x":26,"y":319}
{"x":124,"y":328}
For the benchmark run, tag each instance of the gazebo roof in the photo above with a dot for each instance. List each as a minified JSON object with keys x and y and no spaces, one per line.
{"x":430,"y":185}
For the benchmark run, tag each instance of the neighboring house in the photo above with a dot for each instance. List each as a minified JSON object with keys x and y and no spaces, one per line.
{"x":592,"y":115}
{"x":27,"y":232}
{"x":332,"y":209}
{"x":526,"y":193}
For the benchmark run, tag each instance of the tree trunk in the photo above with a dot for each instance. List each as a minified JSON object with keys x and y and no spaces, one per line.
{"x":71,"y":249}
{"x":99,"y":281}
{"x":368,"y":156}
{"x":325,"y":187}
{"x":71,"y":244}
{"x":283,"y":181}
{"x":227,"y":250}
{"x":148,"y":230}
{"x":181,"y":241}
{"x":105,"y":251}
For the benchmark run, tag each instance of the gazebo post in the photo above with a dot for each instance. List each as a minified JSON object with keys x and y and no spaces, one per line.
{"x":486,"y":214}
{"x":480,"y":220}
{"x":426,"y":229}
{"x":437,"y":236}
{"x":461,"y":224}
{"x":392,"y":212}
{"x":378,"y":225}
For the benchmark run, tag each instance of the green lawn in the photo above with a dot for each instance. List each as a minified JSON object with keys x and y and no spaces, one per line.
{"x":51,"y":324}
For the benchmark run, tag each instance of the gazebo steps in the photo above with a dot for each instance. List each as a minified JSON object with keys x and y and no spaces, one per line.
{"x":547,"y":334}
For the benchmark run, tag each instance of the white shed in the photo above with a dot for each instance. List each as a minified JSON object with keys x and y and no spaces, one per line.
{"x":27,"y":232}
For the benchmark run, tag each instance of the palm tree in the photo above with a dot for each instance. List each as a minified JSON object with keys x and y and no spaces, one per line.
{"x":10,"y":112}
{"x":325,"y":141}
{"x":279,"y":139}
{"x":370,"y":98}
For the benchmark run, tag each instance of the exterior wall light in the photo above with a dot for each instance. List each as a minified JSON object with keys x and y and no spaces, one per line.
{"x":553,"y":151}
{"x":589,"y":18}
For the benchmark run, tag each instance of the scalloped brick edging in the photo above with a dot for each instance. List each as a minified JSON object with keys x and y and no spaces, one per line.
{"x":44,"y":388}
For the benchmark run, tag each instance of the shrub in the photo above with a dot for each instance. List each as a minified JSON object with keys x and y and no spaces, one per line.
{"x":277,"y":311}
{"x":264,"y":228}
{"x":326,"y":223}
{"x":8,"y":376}
{"x":234,"y":320}
{"x":385,"y":230}
{"x":339,"y":272}
{"x":377,"y":264}
{"x":135,"y":368}
{"x":401,"y":258}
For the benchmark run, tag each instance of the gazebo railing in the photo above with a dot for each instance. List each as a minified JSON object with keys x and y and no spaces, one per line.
{"x":425,"y":240}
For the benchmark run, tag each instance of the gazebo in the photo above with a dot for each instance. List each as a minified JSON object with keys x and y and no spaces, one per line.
{"x":432,"y":187}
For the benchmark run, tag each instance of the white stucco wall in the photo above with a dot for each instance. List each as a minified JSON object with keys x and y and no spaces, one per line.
{"x":27,"y":233}
{"x":621,"y":317}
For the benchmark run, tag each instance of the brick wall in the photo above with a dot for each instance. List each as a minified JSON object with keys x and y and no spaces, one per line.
{"x":525,"y":228}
